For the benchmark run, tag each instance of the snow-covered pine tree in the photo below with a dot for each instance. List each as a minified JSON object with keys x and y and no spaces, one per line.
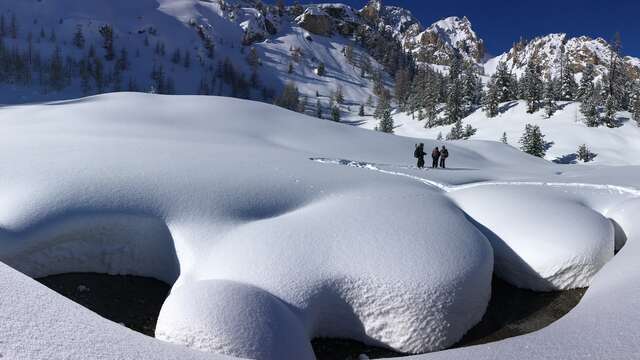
{"x":532,"y":141}
{"x":457,"y":131}
{"x":586,"y":88}
{"x":504,"y":83}
{"x":384,"y":116}
{"x":636,"y":112}
{"x":361,"y":110}
{"x":635,"y":109}
{"x":471,"y":89}
{"x":468,"y":132}
{"x":533,"y":86}
{"x":321,"y":70}
{"x":549,"y":99}
{"x":454,"y":106}
{"x":492,"y":101}
{"x":589,"y":110}
{"x":568,"y":86}
{"x":504,"y":139}
{"x":584,"y":153}
{"x":610,"y":109}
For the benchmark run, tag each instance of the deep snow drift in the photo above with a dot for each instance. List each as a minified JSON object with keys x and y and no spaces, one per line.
{"x":268,"y":248}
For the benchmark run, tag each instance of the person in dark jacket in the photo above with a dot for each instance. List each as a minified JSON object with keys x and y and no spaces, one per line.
{"x":444,"y":154}
{"x":435,"y":155}
{"x":420,"y":154}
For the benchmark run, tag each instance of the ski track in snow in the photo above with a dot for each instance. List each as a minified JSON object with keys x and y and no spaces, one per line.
{"x":453,"y":188}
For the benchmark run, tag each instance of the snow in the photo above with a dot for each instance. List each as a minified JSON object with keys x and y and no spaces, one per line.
{"x":565,"y":130}
{"x":267,"y":249}
{"x":200,"y":192}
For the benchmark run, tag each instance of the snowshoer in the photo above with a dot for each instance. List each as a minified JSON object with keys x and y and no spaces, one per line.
{"x":419,"y":154}
{"x":444,"y":154}
{"x":435,"y":155}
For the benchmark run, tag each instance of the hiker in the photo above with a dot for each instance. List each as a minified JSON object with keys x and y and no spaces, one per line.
{"x":419,"y":154}
{"x":444,"y":154}
{"x":435,"y":155}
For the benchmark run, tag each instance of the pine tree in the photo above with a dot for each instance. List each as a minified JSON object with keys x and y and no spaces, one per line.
{"x":335,"y":112}
{"x":492,"y":101}
{"x":454,"y":109}
{"x":457,"y":131}
{"x":321,"y":70}
{"x":78,"y":38}
{"x":549,"y":99}
{"x":533,"y":86}
{"x":290,"y":97}
{"x":318,"y":109}
{"x":635,"y":113}
{"x":532,"y":141}
{"x":471,"y":89}
{"x":403,"y":88}
{"x":568,"y":86}
{"x":253,"y":59}
{"x":107,"y":42}
{"x":468,"y":132}
{"x":586,"y":88}
{"x":610,"y":109}
{"x":504,"y":83}
{"x":383,"y":115}
{"x":361,"y":111}
{"x":503,"y":139}
{"x":338,"y":95}
{"x":589,"y":110}
{"x":584,"y":153}
{"x":439,"y":137}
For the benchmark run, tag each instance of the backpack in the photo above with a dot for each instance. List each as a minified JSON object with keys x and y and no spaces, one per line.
{"x":416,"y":153}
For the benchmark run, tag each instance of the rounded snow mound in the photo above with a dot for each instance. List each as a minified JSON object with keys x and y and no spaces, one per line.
{"x":267,"y":248}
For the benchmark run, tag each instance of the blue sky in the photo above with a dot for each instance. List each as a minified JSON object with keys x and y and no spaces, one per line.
{"x":500,"y":23}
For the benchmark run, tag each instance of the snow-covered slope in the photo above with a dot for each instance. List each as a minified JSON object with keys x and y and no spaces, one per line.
{"x":158,"y":37}
{"x":271,"y":237}
{"x":565,"y":131}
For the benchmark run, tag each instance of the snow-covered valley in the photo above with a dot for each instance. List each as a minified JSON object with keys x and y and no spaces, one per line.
{"x":259,"y":160}
{"x":267,"y":249}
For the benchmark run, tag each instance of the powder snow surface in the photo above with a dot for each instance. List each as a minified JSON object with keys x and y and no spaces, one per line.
{"x":267,"y":249}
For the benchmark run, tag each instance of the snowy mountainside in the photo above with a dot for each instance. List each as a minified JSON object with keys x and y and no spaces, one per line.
{"x":552,"y":50}
{"x":227,"y":48}
{"x":236,"y":48}
{"x":438,"y":43}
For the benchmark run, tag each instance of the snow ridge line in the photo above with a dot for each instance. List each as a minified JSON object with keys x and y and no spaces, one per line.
{"x":449,"y":189}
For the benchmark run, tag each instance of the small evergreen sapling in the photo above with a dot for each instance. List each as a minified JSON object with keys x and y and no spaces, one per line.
{"x":504,"y":139}
{"x":532,"y":141}
{"x":457,"y":131}
{"x":585,"y":154}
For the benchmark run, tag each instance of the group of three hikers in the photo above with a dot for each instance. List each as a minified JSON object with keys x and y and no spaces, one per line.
{"x":439,"y":156}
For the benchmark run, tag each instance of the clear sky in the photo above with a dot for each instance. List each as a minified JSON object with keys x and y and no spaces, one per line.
{"x":500,"y":23}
